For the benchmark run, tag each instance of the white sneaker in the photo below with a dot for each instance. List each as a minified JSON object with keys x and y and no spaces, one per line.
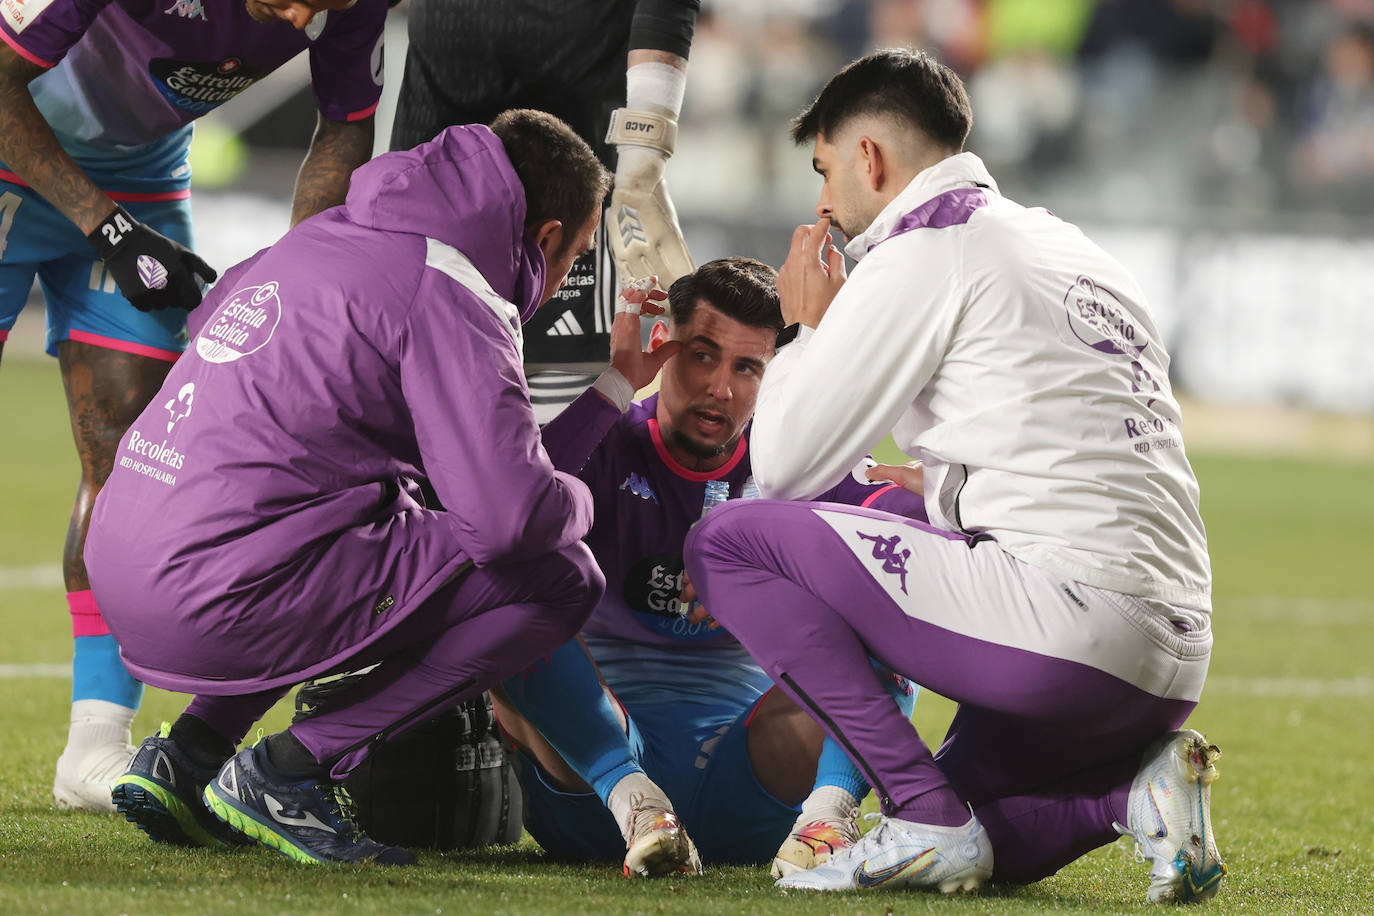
{"x":98,"y":753}
{"x":899,"y":853}
{"x":1171,"y":819}
{"x":813,"y":843}
{"x":656,"y":843}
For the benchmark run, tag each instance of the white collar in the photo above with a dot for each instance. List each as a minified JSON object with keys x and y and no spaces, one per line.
{"x":958,"y":171}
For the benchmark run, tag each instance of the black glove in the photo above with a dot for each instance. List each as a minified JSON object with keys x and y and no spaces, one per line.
{"x":153,"y":272}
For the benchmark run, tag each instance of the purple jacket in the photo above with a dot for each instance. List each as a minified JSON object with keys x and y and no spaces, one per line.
{"x":258,"y":527}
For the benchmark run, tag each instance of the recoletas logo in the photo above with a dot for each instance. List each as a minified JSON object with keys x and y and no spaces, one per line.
{"x":199,"y":86}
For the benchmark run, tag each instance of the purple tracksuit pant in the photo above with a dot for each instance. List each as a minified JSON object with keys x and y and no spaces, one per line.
{"x":1060,"y":685}
{"x":470,"y":635}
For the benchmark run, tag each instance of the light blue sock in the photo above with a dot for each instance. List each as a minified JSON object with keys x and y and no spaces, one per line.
{"x":562,"y":697}
{"x":834,"y":767}
{"x":98,"y":673}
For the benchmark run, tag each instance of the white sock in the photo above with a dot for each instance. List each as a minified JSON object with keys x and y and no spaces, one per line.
{"x":98,"y":723}
{"x":634,"y":791}
{"x":827,"y":803}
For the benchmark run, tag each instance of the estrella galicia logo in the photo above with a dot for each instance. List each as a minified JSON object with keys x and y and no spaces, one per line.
{"x":885,"y":549}
{"x":651,"y":590}
{"x":1097,"y":318}
{"x":639,"y":486}
{"x":200,"y":86}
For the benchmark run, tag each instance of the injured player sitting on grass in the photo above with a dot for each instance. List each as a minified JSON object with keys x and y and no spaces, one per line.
{"x":681,"y":731}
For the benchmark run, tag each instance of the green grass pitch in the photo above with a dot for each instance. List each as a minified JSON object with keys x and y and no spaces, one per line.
{"x":1290,"y":701}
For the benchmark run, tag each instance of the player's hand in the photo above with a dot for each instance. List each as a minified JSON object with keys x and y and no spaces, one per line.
{"x":628,"y":357}
{"x":697,"y":614}
{"x":153,"y":272}
{"x":811,"y":276}
{"x":646,"y":239}
{"x":907,"y":476}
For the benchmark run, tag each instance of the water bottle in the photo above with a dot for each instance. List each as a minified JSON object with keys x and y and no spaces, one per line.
{"x":717,"y":492}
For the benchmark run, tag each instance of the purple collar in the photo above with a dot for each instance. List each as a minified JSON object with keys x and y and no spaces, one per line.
{"x":952,"y":208}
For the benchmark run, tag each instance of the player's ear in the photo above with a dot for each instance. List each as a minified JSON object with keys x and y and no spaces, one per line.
{"x":548,"y":235}
{"x":872,"y":163}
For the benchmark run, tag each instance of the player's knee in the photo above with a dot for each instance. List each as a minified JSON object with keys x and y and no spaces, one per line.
{"x":574,"y":585}
{"x":723,"y":532}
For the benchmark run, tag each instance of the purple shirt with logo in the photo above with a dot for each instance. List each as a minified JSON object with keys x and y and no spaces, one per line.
{"x":128,"y":75}
{"x":645,"y":502}
{"x":259,"y":526}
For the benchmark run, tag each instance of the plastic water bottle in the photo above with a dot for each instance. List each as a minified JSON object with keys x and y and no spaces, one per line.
{"x":751,"y":489}
{"x":717,"y":492}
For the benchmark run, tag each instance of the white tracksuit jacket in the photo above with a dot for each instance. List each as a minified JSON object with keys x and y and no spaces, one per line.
{"x":1019,"y":362}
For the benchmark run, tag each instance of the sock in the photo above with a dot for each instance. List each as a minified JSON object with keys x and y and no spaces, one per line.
{"x":835,"y":770}
{"x":561,"y":696}
{"x":198,"y":741}
{"x":834,"y":767}
{"x":634,"y":791}
{"x":98,"y":724}
{"x":829,"y":803}
{"x":98,"y":673}
{"x":289,"y":758}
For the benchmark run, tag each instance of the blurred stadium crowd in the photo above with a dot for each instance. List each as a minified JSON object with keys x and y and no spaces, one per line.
{"x":1161,"y":111}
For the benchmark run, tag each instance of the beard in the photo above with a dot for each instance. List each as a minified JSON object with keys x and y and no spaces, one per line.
{"x":697,"y":448}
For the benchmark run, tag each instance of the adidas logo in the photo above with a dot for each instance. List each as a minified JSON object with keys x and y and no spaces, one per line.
{"x":566,"y":326}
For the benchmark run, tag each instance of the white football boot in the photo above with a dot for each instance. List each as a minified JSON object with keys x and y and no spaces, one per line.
{"x":899,"y":853}
{"x":1171,"y":818}
{"x":98,"y":752}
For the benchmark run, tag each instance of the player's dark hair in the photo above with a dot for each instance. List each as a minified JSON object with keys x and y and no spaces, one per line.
{"x":899,"y":82}
{"x":740,"y":288}
{"x":562,"y":177}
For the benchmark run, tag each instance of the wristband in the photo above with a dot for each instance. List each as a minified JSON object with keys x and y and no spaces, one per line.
{"x":630,"y":127}
{"x":616,"y":388}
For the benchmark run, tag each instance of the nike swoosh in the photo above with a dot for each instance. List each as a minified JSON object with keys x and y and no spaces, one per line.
{"x":307,"y":819}
{"x":865,"y":878}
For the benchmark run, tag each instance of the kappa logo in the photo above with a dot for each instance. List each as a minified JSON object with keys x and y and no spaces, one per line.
{"x":885,"y":549}
{"x":305,"y":819}
{"x":865,"y":878}
{"x":179,"y":407}
{"x":187,"y":9}
{"x":639,"y":487}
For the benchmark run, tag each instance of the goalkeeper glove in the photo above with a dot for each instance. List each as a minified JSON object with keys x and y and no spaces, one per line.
{"x":646,"y":239}
{"x":153,"y":272}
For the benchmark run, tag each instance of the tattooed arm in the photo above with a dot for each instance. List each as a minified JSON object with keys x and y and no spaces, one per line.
{"x":30,"y":149}
{"x":337,"y":148}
